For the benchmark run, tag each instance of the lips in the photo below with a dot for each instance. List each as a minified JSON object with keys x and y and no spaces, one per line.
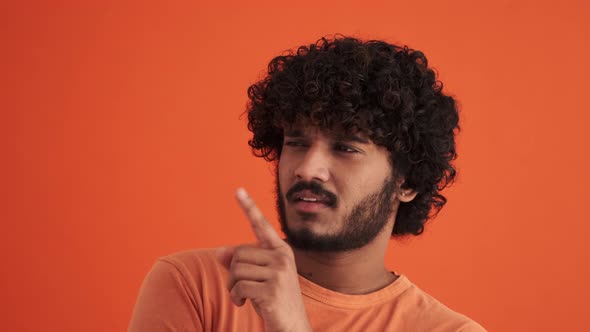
{"x":309,"y":207}
{"x":306,"y":201}
{"x":310,"y":197}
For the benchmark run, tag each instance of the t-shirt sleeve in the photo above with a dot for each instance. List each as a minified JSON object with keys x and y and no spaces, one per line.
{"x":165,"y":302}
{"x":472,"y":326}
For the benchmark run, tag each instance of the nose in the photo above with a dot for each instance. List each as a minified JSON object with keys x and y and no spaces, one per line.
{"x":314,"y":165}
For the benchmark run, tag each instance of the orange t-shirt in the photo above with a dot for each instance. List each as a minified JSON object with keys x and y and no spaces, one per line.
{"x":187,"y":291}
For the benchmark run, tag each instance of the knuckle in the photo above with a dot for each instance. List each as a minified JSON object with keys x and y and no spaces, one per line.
{"x":235,"y":298}
{"x":240,"y":253}
{"x":288,"y":252}
{"x":251,"y":209}
{"x":249,"y":203}
{"x":235,"y":271}
{"x":240,"y":250}
{"x":240,"y":271}
{"x":237,"y":289}
{"x":283,"y":260}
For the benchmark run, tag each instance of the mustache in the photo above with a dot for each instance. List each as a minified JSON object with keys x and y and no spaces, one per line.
{"x":315,"y":188}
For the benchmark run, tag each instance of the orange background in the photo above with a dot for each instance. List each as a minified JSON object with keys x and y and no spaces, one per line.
{"x":122,"y":141}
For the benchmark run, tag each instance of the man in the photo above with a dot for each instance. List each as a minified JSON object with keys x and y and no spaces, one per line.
{"x":362,"y":138}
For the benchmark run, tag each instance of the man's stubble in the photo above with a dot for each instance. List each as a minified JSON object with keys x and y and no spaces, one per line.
{"x":359,"y":228}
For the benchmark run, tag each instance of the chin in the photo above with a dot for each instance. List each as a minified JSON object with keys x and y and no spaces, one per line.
{"x":307,"y":223}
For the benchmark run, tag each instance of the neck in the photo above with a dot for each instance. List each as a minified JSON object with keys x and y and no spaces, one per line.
{"x":359,"y":271}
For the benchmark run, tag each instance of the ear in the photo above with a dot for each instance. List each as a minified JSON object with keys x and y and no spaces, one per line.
{"x":406,"y":195}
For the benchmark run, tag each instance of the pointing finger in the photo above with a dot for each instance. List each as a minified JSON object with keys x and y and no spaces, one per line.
{"x":264,"y":232}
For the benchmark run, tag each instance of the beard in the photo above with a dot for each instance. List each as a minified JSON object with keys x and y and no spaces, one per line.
{"x":365,"y":221}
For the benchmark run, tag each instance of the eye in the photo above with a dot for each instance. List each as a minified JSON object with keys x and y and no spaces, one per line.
{"x":345,"y":148}
{"x":294,"y":143}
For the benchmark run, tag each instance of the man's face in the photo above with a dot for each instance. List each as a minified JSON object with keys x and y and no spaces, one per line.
{"x":334,"y":192}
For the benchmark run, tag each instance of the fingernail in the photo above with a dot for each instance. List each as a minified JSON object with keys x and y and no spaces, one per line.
{"x":242,"y":194}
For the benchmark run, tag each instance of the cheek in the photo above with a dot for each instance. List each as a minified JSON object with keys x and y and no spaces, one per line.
{"x":283,"y":174}
{"x":356,"y":185}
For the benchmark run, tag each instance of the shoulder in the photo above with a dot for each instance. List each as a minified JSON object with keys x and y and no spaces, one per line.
{"x":433,"y":315}
{"x":190,"y":259}
{"x":189,"y":272}
{"x":197,"y":267}
{"x":180,"y":291}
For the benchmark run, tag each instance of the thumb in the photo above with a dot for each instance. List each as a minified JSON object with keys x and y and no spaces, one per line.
{"x":224,"y":256}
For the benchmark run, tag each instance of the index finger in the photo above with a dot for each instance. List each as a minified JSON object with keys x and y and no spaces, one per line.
{"x":264,"y":232}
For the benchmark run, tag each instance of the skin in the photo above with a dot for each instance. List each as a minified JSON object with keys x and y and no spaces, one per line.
{"x":267,"y":272}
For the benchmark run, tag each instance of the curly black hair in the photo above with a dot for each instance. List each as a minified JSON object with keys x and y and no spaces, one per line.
{"x":383,"y":90}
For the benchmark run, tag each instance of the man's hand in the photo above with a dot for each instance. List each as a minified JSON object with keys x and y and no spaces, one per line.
{"x":266,"y":274}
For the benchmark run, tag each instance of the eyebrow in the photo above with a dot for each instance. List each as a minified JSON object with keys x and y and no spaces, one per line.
{"x":294,"y":133}
{"x":339,"y":137}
